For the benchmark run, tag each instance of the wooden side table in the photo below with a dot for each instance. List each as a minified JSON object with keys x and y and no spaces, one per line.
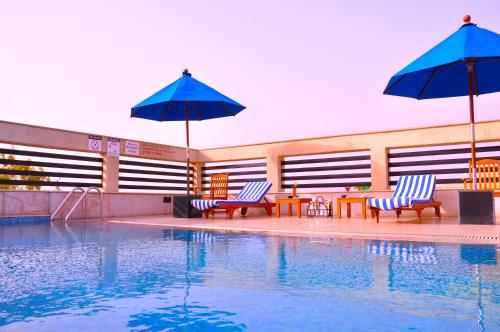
{"x":296,"y":200}
{"x":349,"y":201}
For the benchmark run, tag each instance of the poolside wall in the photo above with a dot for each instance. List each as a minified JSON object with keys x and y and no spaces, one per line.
{"x":14,"y":203}
{"x":377,"y":143}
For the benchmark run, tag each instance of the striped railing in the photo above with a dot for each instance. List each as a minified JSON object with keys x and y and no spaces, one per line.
{"x":240,"y":172}
{"x":326,"y":172}
{"x":145,"y":175}
{"x":448,"y":162}
{"x":24,"y":167}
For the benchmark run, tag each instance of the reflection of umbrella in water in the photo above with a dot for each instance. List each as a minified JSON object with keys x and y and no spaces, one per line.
{"x":477,"y":256}
{"x":183,"y":100}
{"x":467,"y":63}
{"x":480,"y":306}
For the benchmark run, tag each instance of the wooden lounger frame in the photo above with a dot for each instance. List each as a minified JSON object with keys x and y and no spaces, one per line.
{"x":417,"y":208}
{"x":230,"y":208}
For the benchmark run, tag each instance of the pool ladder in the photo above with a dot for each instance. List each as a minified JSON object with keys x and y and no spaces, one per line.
{"x":82,"y":197}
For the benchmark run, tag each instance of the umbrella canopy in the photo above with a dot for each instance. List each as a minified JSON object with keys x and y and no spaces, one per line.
{"x":466,"y":63}
{"x":169,"y":104}
{"x":183,"y":100}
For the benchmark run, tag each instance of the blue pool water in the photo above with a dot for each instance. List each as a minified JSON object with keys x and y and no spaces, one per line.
{"x":128,"y":278}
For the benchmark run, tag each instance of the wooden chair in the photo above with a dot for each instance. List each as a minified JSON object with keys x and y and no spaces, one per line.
{"x":218,"y":190}
{"x":488,"y":176}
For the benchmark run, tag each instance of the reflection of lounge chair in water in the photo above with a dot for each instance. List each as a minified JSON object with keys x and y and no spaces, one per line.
{"x":320,"y":240}
{"x":411,"y":253}
{"x":203,"y":237}
{"x":252,"y":195}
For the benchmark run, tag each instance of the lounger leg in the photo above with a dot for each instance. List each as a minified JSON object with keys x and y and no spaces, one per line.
{"x":398,"y":213}
{"x":244,"y":211}
{"x":206,"y":213}
{"x":376,"y":212}
{"x":269,"y":211}
{"x":419,"y":215}
{"x":437,"y":210}
{"x":230,"y":212}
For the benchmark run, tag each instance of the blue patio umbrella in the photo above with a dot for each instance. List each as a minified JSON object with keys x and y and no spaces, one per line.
{"x":467,"y":63}
{"x":183,"y":100}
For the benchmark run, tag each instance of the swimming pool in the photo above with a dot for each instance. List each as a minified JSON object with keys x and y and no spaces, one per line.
{"x":116,"y":278}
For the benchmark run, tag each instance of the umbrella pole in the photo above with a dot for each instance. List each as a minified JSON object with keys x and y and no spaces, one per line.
{"x":186,"y":108}
{"x":470,"y":73}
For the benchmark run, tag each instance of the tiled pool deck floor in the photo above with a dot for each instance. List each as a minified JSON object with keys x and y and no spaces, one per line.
{"x":431,"y":230}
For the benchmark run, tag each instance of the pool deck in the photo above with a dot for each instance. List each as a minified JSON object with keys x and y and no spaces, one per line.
{"x":407,"y":229}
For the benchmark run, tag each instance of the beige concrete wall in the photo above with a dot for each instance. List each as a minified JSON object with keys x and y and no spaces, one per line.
{"x":377,"y":142}
{"x":130,"y":204}
{"x":43,"y":137}
{"x":114,"y":204}
{"x":110,"y":173}
{"x":18,"y":202}
{"x":448,"y":197}
{"x":450,"y":134}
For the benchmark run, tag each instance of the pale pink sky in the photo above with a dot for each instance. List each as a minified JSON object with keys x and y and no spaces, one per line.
{"x":302,"y":68}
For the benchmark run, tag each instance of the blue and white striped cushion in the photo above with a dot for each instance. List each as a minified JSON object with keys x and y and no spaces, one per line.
{"x":252,"y":192}
{"x":389,"y":203}
{"x":410,"y":190}
{"x":204,"y":204}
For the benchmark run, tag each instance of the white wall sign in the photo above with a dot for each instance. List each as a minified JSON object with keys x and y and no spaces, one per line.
{"x":132,"y":148}
{"x":113,"y":146}
{"x":95,"y":143}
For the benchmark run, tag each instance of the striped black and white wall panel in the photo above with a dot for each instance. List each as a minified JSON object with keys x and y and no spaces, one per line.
{"x":326,"y":172}
{"x":448,"y":162}
{"x":27,"y":167}
{"x":145,"y":175}
{"x":240,"y":172}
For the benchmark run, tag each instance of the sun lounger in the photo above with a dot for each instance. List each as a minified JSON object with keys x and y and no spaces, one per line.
{"x":252,"y":195}
{"x":414,"y":192}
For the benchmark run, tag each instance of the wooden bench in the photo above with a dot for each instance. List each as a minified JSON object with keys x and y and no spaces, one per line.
{"x":488,"y":176}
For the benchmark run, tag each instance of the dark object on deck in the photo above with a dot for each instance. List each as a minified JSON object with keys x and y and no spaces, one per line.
{"x":476,"y":207}
{"x":184,"y":209}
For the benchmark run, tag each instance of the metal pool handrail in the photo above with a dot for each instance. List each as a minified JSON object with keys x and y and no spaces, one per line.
{"x":52,"y":217}
{"x":84,"y":195}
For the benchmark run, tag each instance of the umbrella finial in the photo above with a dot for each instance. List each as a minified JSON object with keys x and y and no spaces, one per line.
{"x":186,"y":72}
{"x":467,"y":19}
